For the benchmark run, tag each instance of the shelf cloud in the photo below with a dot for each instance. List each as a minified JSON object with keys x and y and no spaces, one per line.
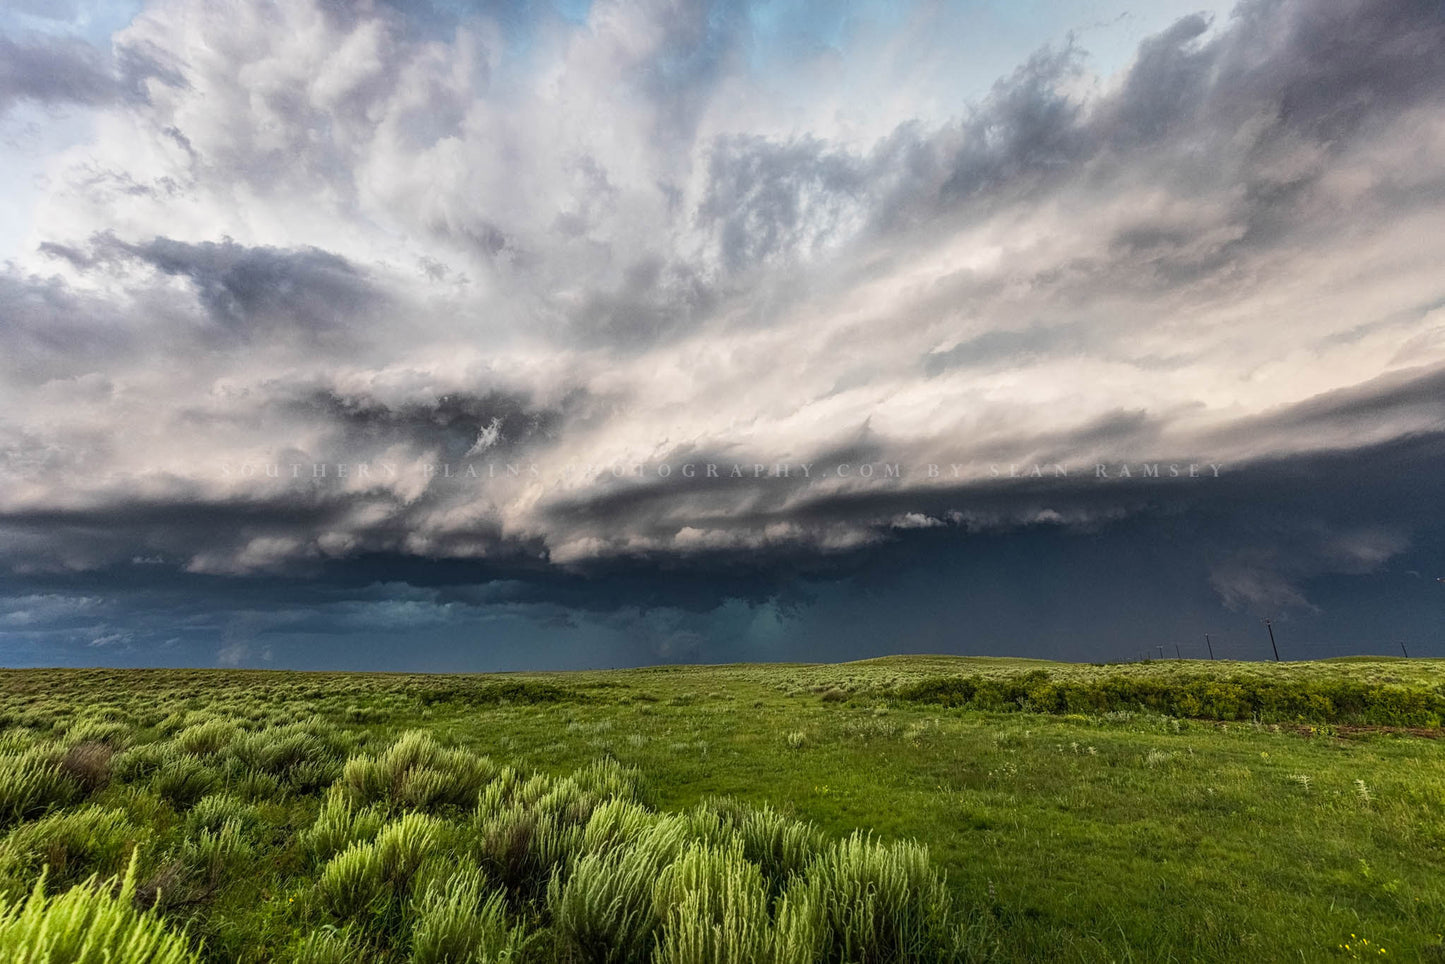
{"x":654,"y":333}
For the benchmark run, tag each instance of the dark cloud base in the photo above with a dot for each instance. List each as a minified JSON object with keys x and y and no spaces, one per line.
{"x":1109,"y":590}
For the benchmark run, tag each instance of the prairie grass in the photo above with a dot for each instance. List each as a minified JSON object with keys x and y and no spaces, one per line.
{"x":461,"y":921}
{"x":70,"y":846}
{"x":662,"y":815}
{"x":94,"y":923}
{"x":32,"y":783}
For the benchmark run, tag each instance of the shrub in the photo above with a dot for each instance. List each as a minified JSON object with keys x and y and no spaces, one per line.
{"x":616,"y":823}
{"x":109,"y":733}
{"x":338,"y":826}
{"x":196,"y":870}
{"x":205,"y":739}
{"x":329,"y":945}
{"x":781,"y":847}
{"x":215,"y":810}
{"x":31,"y":784}
{"x":74,"y":846}
{"x":458,"y":922}
{"x":603,"y":910}
{"x":90,"y":924}
{"x":523,"y":846}
{"x":88,"y":764}
{"x":714,"y":909}
{"x":258,"y":785}
{"x":861,"y":901}
{"x":364,"y":878}
{"x":609,"y":779}
{"x":352,"y":882}
{"x":303,"y":756}
{"x":418,"y":773}
{"x":181,"y":781}
{"x":1206,"y":696}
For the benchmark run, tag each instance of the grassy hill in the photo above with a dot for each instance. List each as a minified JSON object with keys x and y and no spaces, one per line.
{"x":1173,"y":810}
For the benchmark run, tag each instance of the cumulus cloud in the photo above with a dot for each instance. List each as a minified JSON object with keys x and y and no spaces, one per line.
{"x":307,"y":239}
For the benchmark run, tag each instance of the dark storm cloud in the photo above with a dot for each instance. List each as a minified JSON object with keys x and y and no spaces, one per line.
{"x":55,"y":70}
{"x":615,"y":265}
{"x":1250,"y":539}
{"x":60,"y":70}
{"x":758,"y":190}
{"x":263,"y":292}
{"x":51,"y":330}
{"x":456,"y":425}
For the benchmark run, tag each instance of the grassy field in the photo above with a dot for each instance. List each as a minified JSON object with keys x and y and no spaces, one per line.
{"x":1167,"y":811}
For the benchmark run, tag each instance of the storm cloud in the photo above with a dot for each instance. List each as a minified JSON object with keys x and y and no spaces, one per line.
{"x":617,"y":317}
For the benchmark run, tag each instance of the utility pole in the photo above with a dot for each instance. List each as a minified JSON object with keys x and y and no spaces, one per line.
{"x":1177,"y":654}
{"x":1404,"y":650}
{"x":1210,"y":645}
{"x":1161,"y":652}
{"x":1270,"y":626}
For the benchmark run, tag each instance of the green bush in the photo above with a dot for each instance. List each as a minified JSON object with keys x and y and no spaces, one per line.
{"x":862,"y":902}
{"x":182,"y":780}
{"x":88,"y":763}
{"x":780,"y":846}
{"x":215,"y":810}
{"x":604,"y":909}
{"x":304,"y":756}
{"x":417,"y":773}
{"x":198,"y":868}
{"x":90,"y":924}
{"x":72,"y":845}
{"x":205,"y":739}
{"x":329,"y":945}
{"x":339,"y":825}
{"x":460,"y":922}
{"x":365,"y":879}
{"x":713,"y":905}
{"x":1191,"y":695}
{"x":522,"y":847}
{"x":352,"y":883}
{"x":31,"y":783}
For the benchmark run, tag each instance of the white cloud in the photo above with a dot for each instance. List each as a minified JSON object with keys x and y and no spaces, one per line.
{"x":326,"y":237}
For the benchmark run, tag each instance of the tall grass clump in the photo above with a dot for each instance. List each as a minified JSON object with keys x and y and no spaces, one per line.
{"x":72,"y":845}
{"x":182,"y":780}
{"x":604,"y":909}
{"x":417,"y":773}
{"x":327,"y":946}
{"x":205,"y":739}
{"x":339,"y":825}
{"x":610,"y":780}
{"x":31,"y":784}
{"x":369,"y":880}
{"x":458,"y":921}
{"x":864,"y":902}
{"x":90,"y":924}
{"x":198,"y":868}
{"x":88,"y":763}
{"x":713,"y":905}
{"x":215,"y":810}
{"x":523,"y":846}
{"x":302,"y":756}
{"x":781,"y":847}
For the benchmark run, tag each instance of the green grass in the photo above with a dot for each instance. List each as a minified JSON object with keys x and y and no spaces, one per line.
{"x":1070,"y":812}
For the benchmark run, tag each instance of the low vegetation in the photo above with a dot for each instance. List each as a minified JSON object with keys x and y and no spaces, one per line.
{"x":907,"y":809}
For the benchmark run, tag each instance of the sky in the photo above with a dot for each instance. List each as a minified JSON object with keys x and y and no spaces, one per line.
{"x":474,"y":336}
